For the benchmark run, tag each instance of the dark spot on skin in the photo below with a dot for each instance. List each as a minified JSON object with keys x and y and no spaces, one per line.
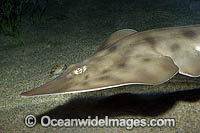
{"x":112,"y":49}
{"x":146,"y":59}
{"x":131,"y":44}
{"x":86,"y":77}
{"x":121,"y":64}
{"x":104,"y":78}
{"x":105,"y":71}
{"x":189,"y":34}
{"x":150,"y":40}
{"x":174,"y":47}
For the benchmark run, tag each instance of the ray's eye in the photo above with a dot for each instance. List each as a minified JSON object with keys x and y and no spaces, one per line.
{"x":80,"y":70}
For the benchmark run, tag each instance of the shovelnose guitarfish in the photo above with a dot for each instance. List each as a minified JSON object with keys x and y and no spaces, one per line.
{"x":129,"y":57}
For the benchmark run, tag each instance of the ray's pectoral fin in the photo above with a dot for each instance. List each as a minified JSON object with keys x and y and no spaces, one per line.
{"x":150,"y":70}
{"x":190,"y":64}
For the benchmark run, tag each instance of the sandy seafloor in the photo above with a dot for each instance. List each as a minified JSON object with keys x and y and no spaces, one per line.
{"x":68,"y":38}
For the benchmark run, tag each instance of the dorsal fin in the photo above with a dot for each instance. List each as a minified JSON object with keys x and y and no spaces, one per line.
{"x":114,"y":37}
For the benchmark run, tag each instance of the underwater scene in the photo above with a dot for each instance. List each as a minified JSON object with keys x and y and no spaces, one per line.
{"x":99,"y":66}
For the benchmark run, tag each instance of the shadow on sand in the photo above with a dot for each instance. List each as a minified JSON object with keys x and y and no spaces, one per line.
{"x":120,"y":104}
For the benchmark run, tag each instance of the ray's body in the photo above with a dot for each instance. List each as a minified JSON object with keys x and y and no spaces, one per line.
{"x":130,"y":57}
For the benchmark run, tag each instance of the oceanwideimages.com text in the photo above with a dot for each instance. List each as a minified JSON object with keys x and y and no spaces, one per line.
{"x":129,"y":123}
